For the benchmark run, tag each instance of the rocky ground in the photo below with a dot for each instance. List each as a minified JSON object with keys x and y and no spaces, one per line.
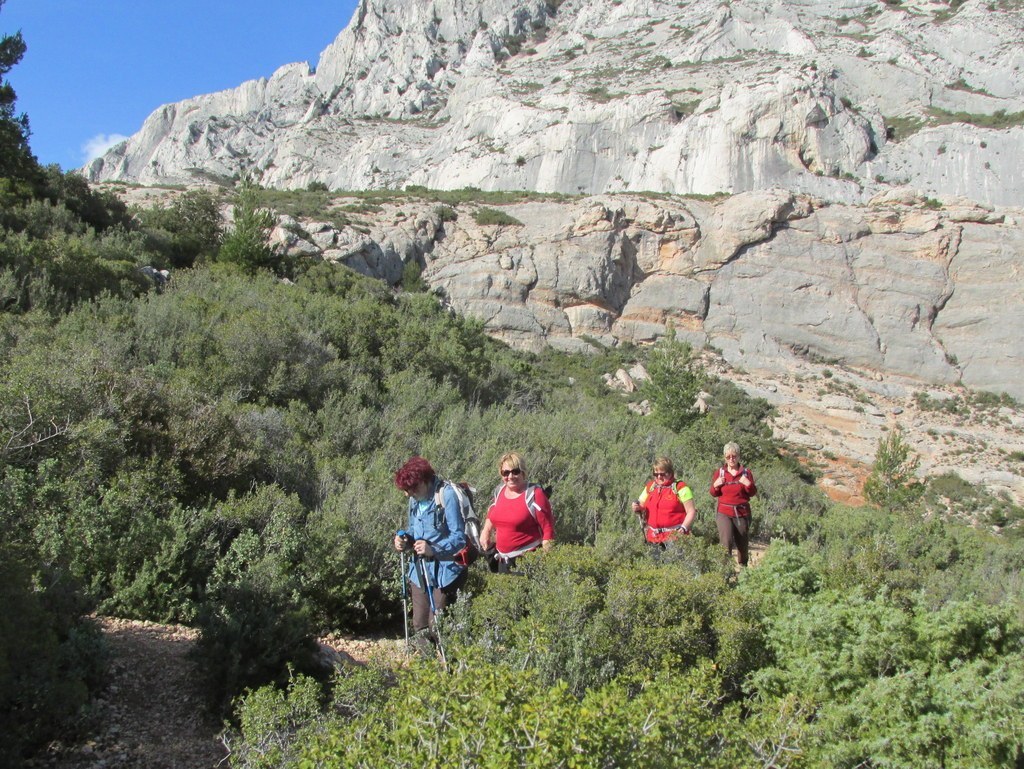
{"x":151,"y":715}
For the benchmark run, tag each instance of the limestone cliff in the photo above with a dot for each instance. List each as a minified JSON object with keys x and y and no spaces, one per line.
{"x":901,"y":288}
{"x":833,"y":99}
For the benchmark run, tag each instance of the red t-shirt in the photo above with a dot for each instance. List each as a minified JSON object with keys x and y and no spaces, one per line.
{"x":515,"y":527}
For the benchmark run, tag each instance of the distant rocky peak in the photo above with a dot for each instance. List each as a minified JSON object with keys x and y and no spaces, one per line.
{"x":398,"y":59}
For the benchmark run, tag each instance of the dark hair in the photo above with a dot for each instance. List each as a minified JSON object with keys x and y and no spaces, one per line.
{"x":414,"y":472}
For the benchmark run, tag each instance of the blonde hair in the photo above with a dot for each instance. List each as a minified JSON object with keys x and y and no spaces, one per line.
{"x":664,"y":465}
{"x":512,"y":461}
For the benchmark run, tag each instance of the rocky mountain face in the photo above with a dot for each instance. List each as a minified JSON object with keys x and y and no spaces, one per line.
{"x":851,"y":320}
{"x":794,"y":186}
{"x":832,"y":98}
{"x":901,"y":288}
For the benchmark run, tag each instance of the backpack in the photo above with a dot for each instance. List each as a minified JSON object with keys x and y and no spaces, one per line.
{"x":464,"y":494}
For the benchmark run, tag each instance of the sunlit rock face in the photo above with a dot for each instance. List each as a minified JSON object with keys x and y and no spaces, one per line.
{"x":838,"y":100}
{"x":901,"y":287}
{"x":834,"y":181}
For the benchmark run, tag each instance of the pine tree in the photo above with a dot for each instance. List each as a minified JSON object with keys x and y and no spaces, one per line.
{"x":675,"y":381}
{"x":16,"y":159}
{"x":893,"y":481}
{"x":246,"y":245}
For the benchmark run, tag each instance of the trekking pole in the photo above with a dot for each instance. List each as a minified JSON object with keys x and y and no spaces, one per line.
{"x":406,"y":544}
{"x":428,"y":587}
{"x":405,"y":600}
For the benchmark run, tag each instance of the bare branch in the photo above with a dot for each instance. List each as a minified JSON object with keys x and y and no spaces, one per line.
{"x":32,"y":434}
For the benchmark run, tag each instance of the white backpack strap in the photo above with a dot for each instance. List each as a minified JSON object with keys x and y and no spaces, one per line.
{"x":531,"y":500}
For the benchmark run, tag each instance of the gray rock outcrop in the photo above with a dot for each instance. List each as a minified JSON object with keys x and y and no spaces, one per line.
{"x":904,"y":288}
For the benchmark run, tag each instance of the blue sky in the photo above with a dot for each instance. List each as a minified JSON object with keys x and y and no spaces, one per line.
{"x":95,"y":69}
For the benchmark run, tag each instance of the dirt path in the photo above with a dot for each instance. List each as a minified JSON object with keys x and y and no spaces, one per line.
{"x":151,"y":715}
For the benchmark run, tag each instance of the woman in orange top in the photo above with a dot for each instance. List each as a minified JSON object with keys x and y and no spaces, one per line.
{"x":666,"y":505}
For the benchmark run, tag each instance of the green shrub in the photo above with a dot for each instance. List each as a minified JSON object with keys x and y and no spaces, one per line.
{"x":271,"y":720}
{"x":674,"y":382}
{"x":892,"y":482}
{"x":245,"y":246}
{"x":50,"y":657}
{"x":492,"y":216}
{"x":498,"y":716}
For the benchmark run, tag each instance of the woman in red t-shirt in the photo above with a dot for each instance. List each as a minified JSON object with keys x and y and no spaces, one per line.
{"x":733,"y":485}
{"x":519,"y":518}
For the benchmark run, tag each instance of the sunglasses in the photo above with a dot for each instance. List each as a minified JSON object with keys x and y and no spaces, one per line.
{"x":661,"y":475}
{"x":507,"y":473}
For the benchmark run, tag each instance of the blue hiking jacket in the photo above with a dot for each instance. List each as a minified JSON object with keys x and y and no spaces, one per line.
{"x":444,"y":529}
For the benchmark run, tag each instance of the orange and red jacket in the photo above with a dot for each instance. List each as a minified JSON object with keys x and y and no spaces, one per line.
{"x":664,"y":509}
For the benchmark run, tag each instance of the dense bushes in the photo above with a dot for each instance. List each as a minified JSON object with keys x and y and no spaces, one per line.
{"x":586,"y":615}
{"x":220,"y":453}
{"x":613,"y":655}
{"x":49,"y":656}
{"x":497,"y":716}
{"x":234,"y":392}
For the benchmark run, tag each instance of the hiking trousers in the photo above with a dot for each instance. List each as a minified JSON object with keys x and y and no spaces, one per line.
{"x":734,"y":532}
{"x":443,"y":596}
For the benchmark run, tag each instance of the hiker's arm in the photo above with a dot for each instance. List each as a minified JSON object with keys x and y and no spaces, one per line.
{"x":485,"y":534}
{"x":640,"y":505}
{"x":455,"y":540}
{"x":691,"y":513}
{"x":750,"y":486}
{"x":685,"y":497}
{"x":545,"y":518}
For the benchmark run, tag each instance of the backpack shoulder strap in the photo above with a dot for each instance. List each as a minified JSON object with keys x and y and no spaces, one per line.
{"x":531,"y":500}
{"x":439,"y":515}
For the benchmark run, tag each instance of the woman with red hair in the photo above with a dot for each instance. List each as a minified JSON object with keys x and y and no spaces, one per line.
{"x":435,"y":534}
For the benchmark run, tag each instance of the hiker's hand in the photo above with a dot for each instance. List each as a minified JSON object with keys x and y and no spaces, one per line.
{"x":745,"y":481}
{"x":719,"y":482}
{"x":398,"y":544}
{"x":422,"y":547}
{"x":637,"y":508}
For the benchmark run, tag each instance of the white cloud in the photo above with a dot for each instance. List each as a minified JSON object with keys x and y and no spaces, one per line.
{"x":99,"y":144}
